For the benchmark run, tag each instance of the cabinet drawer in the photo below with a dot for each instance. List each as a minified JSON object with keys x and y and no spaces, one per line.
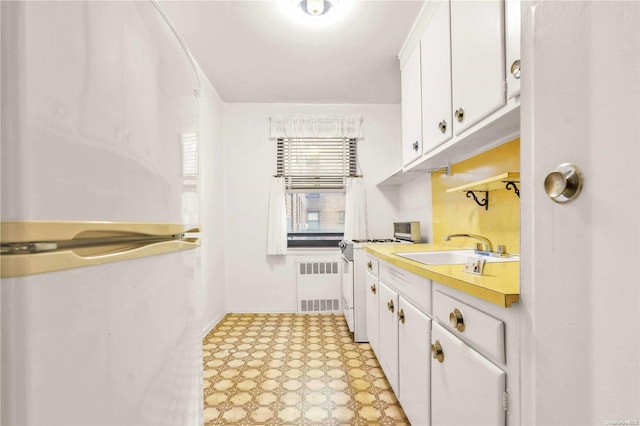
{"x":485,"y":332}
{"x":372,"y":265}
{"x":413,"y":287}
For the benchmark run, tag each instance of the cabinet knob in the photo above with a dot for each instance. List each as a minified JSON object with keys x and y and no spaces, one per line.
{"x":442,"y":126}
{"x":401,"y":315}
{"x":459,"y":114}
{"x":373,"y":288}
{"x":515,"y":69}
{"x":456,"y":320}
{"x":416,"y":146}
{"x":390,"y":306}
{"x":564,"y":184}
{"x":369,"y":265}
{"x":436,"y":351}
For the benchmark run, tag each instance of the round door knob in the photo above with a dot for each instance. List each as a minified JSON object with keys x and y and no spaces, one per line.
{"x":459,"y":114}
{"x":564,"y":184}
{"x":436,"y":351}
{"x":373,"y":288}
{"x":442,"y":126}
{"x":456,"y":320}
{"x":515,"y":69}
{"x":390,"y":306}
{"x":401,"y":315}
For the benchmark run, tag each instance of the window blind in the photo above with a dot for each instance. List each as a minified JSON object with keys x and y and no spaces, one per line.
{"x":189,"y":158}
{"x":317,"y":164}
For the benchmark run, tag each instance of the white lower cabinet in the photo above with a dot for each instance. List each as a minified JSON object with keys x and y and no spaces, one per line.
{"x":466,"y":388}
{"x":388,"y":334}
{"x":414,"y":330}
{"x":372,"y":311}
{"x":446,"y":354}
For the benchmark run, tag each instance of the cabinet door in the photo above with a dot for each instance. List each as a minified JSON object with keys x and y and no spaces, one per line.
{"x":388,"y":334}
{"x":512,"y":40}
{"x":477,"y":56}
{"x":371,"y":287}
{"x":466,"y":389}
{"x":414,"y":343}
{"x":435,"y":48}
{"x":411,"y":108}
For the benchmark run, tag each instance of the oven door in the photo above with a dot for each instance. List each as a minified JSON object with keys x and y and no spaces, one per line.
{"x":347,"y":292}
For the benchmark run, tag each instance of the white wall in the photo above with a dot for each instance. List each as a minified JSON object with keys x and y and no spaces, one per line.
{"x":414,"y":203}
{"x":260,"y":283}
{"x":211,"y":206}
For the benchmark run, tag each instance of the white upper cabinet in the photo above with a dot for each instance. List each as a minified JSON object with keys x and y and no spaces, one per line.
{"x":459,"y":94}
{"x":478,"y":64}
{"x":435,"y":51}
{"x":411,"y":109}
{"x":512,"y":37}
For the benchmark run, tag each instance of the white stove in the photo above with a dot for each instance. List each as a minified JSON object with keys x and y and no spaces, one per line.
{"x":353,"y":280}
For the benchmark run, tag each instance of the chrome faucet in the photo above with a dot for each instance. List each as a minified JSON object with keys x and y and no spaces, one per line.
{"x":487,"y":243}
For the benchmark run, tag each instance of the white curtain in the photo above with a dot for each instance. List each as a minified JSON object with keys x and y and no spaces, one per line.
{"x":355,"y":214}
{"x":277,"y":232}
{"x":315,"y":126}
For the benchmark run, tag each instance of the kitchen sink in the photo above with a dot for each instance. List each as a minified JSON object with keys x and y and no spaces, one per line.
{"x":447,"y":257}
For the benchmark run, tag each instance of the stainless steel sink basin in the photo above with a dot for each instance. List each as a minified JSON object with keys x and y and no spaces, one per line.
{"x":447,"y":257}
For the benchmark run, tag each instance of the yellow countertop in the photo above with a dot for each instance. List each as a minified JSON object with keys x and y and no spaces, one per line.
{"x":498,"y":284}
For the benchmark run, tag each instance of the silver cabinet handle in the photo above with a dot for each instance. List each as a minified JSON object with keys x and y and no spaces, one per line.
{"x":459,"y":114}
{"x":564,"y":183}
{"x":416,"y":146}
{"x":515,"y":69}
{"x":442,"y":126}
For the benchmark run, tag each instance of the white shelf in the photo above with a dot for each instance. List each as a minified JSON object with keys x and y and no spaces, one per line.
{"x":489,"y":184}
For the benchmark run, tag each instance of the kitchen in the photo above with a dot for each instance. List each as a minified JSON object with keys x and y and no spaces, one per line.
{"x":578,"y":328}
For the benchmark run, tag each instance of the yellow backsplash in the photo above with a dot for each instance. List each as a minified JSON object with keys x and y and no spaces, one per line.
{"x":454,"y":213}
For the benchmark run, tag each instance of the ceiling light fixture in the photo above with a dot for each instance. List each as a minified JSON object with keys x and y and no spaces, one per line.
{"x":315,"y":7}
{"x":315,"y":13}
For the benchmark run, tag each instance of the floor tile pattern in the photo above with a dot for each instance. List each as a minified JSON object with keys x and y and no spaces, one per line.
{"x":293,"y":369}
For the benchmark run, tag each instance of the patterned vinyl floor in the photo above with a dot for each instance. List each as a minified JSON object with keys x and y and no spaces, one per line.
{"x":290,"y":369}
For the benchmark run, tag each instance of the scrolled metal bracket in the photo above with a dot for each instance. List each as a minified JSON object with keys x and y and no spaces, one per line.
{"x":482,"y":203}
{"x":512,"y":185}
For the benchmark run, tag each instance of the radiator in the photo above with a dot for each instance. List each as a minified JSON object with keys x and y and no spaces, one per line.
{"x":319,"y":286}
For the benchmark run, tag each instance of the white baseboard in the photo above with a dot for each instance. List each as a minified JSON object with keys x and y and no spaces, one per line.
{"x":212,"y":324}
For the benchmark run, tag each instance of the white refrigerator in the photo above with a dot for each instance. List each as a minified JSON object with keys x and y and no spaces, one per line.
{"x":99,"y":208}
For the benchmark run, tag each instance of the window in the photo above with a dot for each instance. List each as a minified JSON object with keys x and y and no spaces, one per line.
{"x":313,"y":220}
{"x":315,"y":171}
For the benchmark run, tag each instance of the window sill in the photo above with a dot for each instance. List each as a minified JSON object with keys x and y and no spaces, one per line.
{"x":302,"y":251}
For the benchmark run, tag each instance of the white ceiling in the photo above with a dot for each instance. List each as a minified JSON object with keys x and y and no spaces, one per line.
{"x":252,"y":52}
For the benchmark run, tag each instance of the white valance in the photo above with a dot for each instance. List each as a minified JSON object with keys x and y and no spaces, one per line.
{"x":316,"y":126}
